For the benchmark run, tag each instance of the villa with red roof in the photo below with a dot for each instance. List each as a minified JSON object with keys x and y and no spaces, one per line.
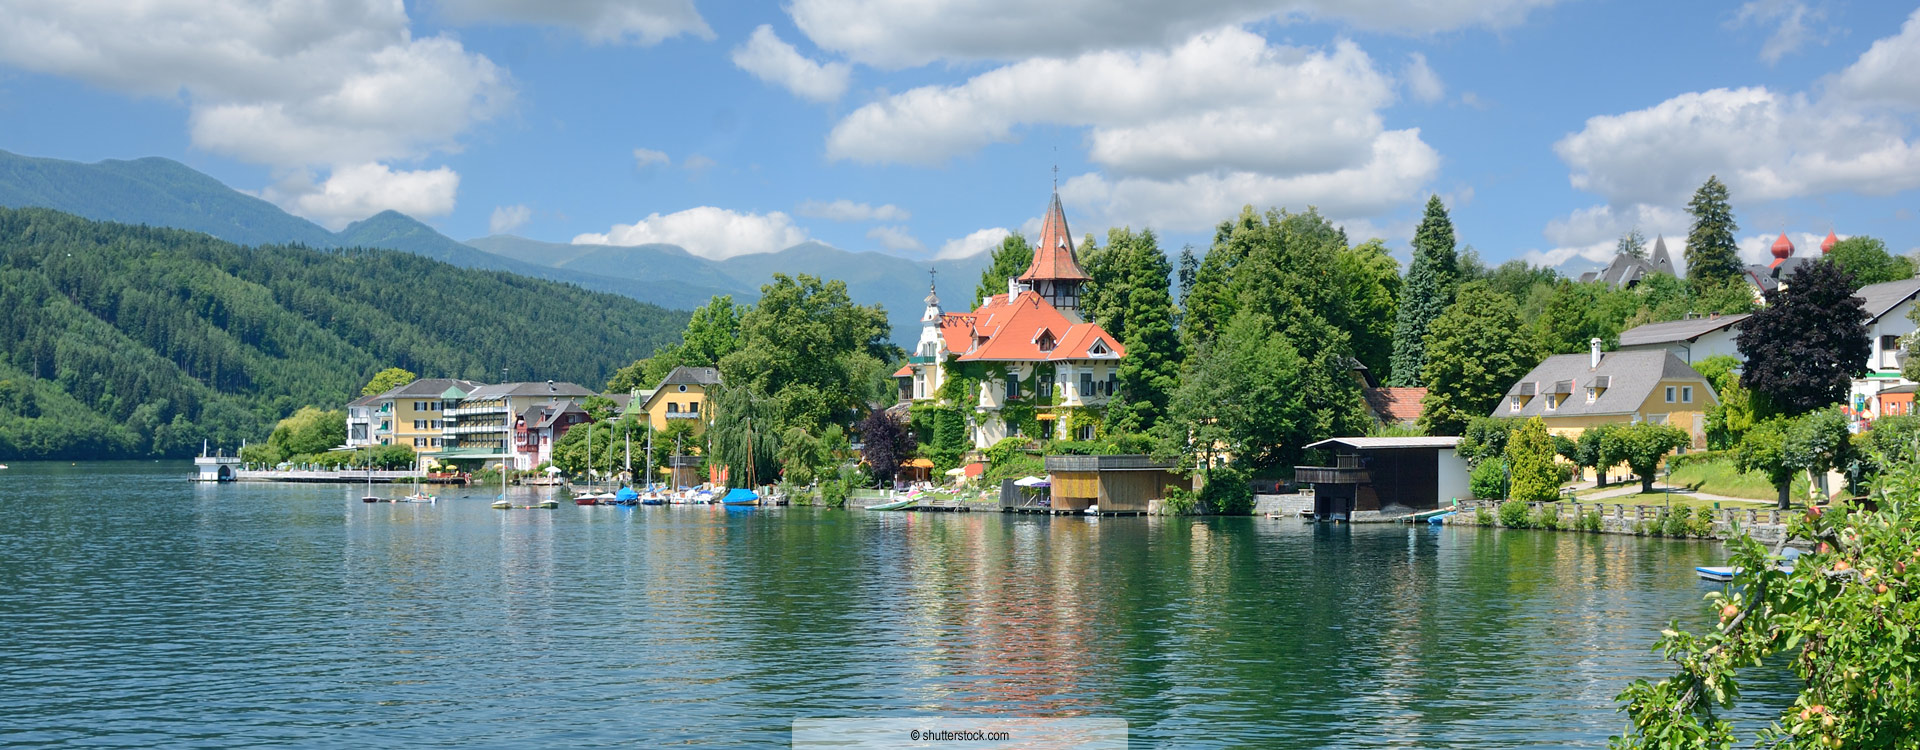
{"x":1028,"y":346}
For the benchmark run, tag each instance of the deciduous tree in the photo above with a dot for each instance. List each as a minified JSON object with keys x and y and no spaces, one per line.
{"x":1475,"y":352}
{"x":387,"y":380}
{"x":884,"y":445}
{"x":1010,"y":259}
{"x":1645,"y":444}
{"x":1869,"y":262}
{"x":1805,"y":347}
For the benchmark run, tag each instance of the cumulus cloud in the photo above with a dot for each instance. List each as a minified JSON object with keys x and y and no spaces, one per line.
{"x":777,"y":62}
{"x":643,"y":22}
{"x":698,"y":164}
{"x":508,"y":218}
{"x":895,"y":238}
{"x":976,"y":242}
{"x":1398,"y":167}
{"x":1790,"y":21}
{"x":890,"y":34}
{"x":706,"y":231}
{"x":355,"y":192}
{"x":846,"y":210}
{"x":1592,"y":235}
{"x":646,"y":157}
{"x":1422,"y":82}
{"x":1884,"y":74}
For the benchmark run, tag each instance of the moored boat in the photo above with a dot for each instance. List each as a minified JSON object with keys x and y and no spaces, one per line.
{"x":542,"y":505}
{"x":741,"y":498}
{"x":901,"y":504}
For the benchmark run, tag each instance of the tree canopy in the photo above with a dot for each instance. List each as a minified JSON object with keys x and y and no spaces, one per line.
{"x":1867,"y":259}
{"x":387,"y":380}
{"x":1010,"y":259}
{"x":1805,"y":347}
{"x":1475,"y":352}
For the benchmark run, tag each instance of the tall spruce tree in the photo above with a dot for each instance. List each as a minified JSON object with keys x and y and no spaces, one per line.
{"x":1010,"y":259}
{"x":1189,"y":272}
{"x":1428,"y":291}
{"x":1151,"y":368}
{"x":1713,"y":257}
{"x":1805,"y":347}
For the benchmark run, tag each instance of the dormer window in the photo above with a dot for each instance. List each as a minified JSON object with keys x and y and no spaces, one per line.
{"x":1044,"y":339}
{"x":1099,"y":348}
{"x":1515,"y":402}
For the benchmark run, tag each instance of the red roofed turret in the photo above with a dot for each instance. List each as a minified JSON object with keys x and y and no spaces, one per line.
{"x":1053,"y":257}
{"x":1782,"y":249}
{"x":1826,"y":245}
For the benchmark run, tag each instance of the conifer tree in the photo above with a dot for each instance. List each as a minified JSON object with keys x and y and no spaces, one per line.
{"x":1713,"y":257}
{"x":1530,"y":459}
{"x":1151,"y":368}
{"x":1189,"y":271}
{"x":1428,"y":290}
{"x":1010,"y":259}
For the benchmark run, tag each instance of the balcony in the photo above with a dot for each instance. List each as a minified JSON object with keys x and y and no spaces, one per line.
{"x":683,"y":415}
{"x":1330,"y":475}
{"x":473,"y":429}
{"x":469,"y":411}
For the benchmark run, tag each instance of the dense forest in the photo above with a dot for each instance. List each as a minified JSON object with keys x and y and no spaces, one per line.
{"x":124,"y":341}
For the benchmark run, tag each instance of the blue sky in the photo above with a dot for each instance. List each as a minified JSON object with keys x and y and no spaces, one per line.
{"x":1550,"y":128}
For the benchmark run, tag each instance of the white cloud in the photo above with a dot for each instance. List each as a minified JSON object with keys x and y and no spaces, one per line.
{"x":291,"y":84}
{"x":1400,"y":164}
{"x":698,"y":164}
{"x":1789,"y":19}
{"x":1592,"y":235}
{"x":895,"y":238}
{"x":1758,"y":248}
{"x":706,"y":231}
{"x":1763,"y":144}
{"x":891,"y":34}
{"x":846,"y":210}
{"x":646,"y":157}
{"x":645,"y":22}
{"x":356,"y":192}
{"x":976,"y":242}
{"x":508,"y":218}
{"x":1886,"y":73}
{"x":777,"y":62}
{"x":1422,"y":82}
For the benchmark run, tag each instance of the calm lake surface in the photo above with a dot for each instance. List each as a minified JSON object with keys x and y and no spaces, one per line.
{"x":142,"y":610}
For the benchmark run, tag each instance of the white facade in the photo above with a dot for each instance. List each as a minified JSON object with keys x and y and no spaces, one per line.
{"x":1453,"y":482}
{"x":1885,"y":336}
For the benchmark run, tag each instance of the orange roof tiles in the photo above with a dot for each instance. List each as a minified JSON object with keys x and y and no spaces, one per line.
{"x":1396,"y":404}
{"x":1025,"y":329}
{"x":905,"y":371}
{"x":1053,"y":257}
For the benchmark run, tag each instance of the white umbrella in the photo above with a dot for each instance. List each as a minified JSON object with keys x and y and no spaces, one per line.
{"x":553,"y":470}
{"x":956,"y":472}
{"x":1030,"y":482}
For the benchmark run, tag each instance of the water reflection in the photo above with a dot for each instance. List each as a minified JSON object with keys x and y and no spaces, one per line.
{"x":245,"y":615}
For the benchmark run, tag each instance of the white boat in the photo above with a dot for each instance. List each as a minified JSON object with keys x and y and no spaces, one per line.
{"x":417,"y":497}
{"x":1723,"y":574}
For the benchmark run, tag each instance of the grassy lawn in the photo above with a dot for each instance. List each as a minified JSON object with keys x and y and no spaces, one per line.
{"x":1720,"y":478}
{"x":1678,"y":499}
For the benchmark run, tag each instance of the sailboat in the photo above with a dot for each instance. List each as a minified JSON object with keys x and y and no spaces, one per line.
{"x":744,"y":497}
{"x":369,"y":497}
{"x":504,"y":504}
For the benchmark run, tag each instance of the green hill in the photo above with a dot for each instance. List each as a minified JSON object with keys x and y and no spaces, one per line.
{"x":135,"y":341}
{"x":153,"y":191}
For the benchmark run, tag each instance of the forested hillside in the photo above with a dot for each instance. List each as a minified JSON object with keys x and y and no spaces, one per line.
{"x":133,"y":341}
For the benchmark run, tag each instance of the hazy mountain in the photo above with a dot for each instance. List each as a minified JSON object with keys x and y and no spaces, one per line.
{"x":152,"y":191}
{"x":665,"y":275}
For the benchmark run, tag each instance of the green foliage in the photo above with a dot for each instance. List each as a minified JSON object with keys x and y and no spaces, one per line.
{"x":745,"y":435}
{"x":1599,"y":449}
{"x":1488,"y":480}
{"x":1840,"y":622}
{"x":1632,"y":243}
{"x":1782,"y":447}
{"x":805,"y":456}
{"x":1643,"y":445}
{"x":1713,"y":255}
{"x":1474,"y":353}
{"x":1130,"y":298}
{"x":133,"y":341}
{"x":1252,"y":394}
{"x":1574,"y":314}
{"x":712,"y":333}
{"x":1805,"y":347}
{"x":1427,"y":295}
{"x":1367,"y":278}
{"x":1179,"y":501}
{"x":805,"y":347}
{"x":308,"y":432}
{"x":1514,"y":514}
{"x":949,"y":445}
{"x":1012,"y":458}
{"x":1763,"y":450}
{"x":1227,"y":492}
{"x":1891,"y":439}
{"x":387,"y":380}
{"x":1588,"y":521}
{"x":1530,"y":456}
{"x":1010,"y":260}
{"x":1482,"y":516}
{"x":599,"y":407}
{"x":1869,"y":262}
{"x":1484,"y":438}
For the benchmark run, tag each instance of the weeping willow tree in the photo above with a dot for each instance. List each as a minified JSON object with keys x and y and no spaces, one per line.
{"x":746,"y":438}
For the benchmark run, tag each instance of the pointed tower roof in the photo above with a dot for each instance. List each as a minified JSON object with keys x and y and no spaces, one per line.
{"x":1662,"y":260}
{"x":1826,"y":246}
{"x":1053,"y":257}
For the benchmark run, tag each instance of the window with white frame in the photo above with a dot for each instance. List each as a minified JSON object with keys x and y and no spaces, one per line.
{"x":1669,"y":394}
{"x":1686,"y":394}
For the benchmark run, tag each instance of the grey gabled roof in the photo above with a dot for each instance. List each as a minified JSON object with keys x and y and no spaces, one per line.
{"x":1677,"y":330}
{"x":430,"y":388}
{"x":548,"y":389}
{"x":1881,"y":298}
{"x":1378,"y":443}
{"x":1632,"y":377}
{"x":690,"y":376}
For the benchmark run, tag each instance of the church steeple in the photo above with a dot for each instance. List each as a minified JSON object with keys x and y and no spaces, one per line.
{"x":1054,"y":273}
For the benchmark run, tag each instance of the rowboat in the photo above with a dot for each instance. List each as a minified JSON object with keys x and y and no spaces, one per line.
{"x":508,"y":505}
{"x":895,"y":505}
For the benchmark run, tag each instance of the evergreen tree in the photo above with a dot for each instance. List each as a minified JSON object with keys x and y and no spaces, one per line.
{"x":1426,"y":294}
{"x":1103,"y":299}
{"x":1189,"y":272}
{"x":1475,"y":352}
{"x":1151,"y":369}
{"x":1805,"y":347}
{"x":1010,"y":259}
{"x":1632,"y":243}
{"x":1530,"y":459}
{"x":1210,"y":303}
{"x":1713,"y":257}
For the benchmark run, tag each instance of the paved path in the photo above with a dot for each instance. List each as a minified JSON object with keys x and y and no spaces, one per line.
{"x":1633,"y":488}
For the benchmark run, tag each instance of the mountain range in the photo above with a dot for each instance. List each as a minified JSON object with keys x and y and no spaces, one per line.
{"x":164,"y":193}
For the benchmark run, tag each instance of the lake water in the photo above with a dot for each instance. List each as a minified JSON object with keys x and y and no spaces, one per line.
{"x":141,"y":610}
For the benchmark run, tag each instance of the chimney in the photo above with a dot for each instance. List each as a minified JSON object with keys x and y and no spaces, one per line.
{"x":551,"y":389}
{"x":1595,"y":364}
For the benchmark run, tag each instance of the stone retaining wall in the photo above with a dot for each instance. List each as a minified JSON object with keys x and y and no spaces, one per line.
{"x":1616,"y":518}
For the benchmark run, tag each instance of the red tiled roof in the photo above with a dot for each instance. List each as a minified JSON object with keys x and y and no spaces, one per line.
{"x":905,"y":371}
{"x":1053,"y":257}
{"x":1396,"y":404}
{"x":1014,"y":331}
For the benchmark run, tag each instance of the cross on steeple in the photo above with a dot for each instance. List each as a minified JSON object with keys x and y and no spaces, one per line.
{"x":930,"y":272}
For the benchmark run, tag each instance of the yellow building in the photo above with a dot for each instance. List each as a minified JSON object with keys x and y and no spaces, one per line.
{"x":414,"y":414}
{"x":681,"y":397}
{"x":1571,"y":392}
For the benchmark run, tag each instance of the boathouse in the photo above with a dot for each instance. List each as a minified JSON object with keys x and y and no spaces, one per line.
{"x":1117,"y":484}
{"x":1385,"y":476}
